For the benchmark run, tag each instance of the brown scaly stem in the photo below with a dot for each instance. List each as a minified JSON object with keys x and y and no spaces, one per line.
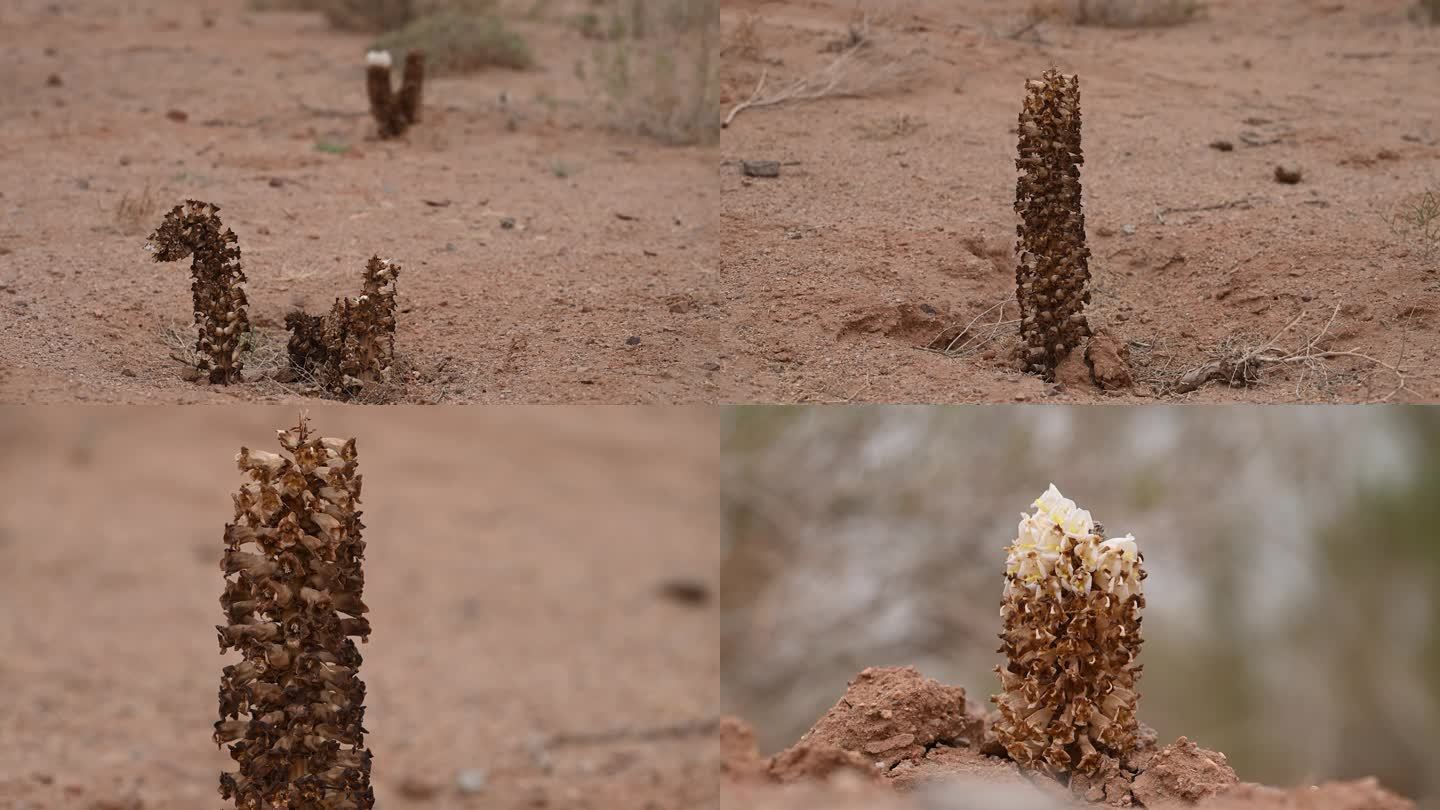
{"x":354,"y":344}
{"x":394,"y":112}
{"x":1053,"y":269}
{"x":1071,"y":614}
{"x":292,"y":711}
{"x":193,"y":230}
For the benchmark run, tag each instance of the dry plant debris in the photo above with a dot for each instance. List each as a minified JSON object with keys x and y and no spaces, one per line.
{"x":845,"y":76}
{"x":1071,"y":614}
{"x":1238,"y":364}
{"x":293,"y":710}
{"x":1053,"y":271}
{"x":394,"y":112}
{"x":355,"y":343}
{"x":193,"y":230}
{"x":133,"y":213}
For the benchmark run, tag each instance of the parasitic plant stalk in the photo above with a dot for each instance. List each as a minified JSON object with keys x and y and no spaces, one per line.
{"x":1052,"y":273}
{"x":355,"y":343}
{"x":1071,"y":614}
{"x":394,"y":112}
{"x":193,"y":230}
{"x":293,"y":710}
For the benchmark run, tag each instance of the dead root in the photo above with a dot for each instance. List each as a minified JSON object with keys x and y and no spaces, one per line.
{"x":1239,"y":365}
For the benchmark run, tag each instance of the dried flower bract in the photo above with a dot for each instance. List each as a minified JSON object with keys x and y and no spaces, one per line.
{"x":394,"y":112}
{"x":1071,"y":616}
{"x":355,"y":343}
{"x":193,"y":230}
{"x":1052,"y":273}
{"x":293,"y":710}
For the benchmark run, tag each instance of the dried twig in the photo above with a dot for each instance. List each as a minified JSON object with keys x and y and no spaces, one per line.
{"x":1242,"y":366}
{"x":836,"y":79}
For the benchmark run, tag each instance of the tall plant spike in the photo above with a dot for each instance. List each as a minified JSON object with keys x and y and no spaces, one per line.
{"x":355,"y":343}
{"x":293,"y":710}
{"x":1052,"y":272}
{"x":193,"y":230}
{"x":394,"y":112}
{"x":1071,"y":615}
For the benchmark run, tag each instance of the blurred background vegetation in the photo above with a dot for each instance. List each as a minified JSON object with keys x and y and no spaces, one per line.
{"x":651,"y":67}
{"x":1293,"y":617}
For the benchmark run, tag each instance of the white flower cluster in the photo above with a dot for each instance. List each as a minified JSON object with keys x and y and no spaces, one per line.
{"x":377,"y":59}
{"x":1058,"y":548}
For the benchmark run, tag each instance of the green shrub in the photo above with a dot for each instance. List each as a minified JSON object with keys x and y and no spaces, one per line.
{"x":457,"y":42}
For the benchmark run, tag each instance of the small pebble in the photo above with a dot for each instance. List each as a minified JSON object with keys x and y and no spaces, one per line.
{"x":54,"y":80}
{"x":760,"y":168}
{"x":470,"y":781}
{"x":1223,"y":146}
{"x":1289,"y":175}
{"x":633,"y":340}
{"x":1127,"y":229}
{"x":178,"y":116}
{"x":507,"y":223}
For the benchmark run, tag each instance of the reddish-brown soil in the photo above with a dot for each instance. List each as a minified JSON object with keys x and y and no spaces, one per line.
{"x":604,"y":289}
{"x":541,"y":584}
{"x":896,"y":732}
{"x":891,"y":222}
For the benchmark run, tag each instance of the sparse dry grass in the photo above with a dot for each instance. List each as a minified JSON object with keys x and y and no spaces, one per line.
{"x":457,"y":42}
{"x":658,"y":68}
{"x":134,"y":214}
{"x":375,"y":15}
{"x":1417,"y":220}
{"x":744,"y":40}
{"x":1239,"y":362}
{"x":1118,"y":13}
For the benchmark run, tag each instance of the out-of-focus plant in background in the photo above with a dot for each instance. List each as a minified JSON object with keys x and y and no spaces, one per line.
{"x":1293,"y":616}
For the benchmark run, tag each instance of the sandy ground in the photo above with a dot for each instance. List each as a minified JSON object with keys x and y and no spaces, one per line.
{"x":891,"y":221}
{"x":516,"y":569}
{"x":575,"y":303}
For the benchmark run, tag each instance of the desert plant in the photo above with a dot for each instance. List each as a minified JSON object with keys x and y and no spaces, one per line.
{"x":659,"y":69}
{"x":1071,"y":614}
{"x":293,"y":710}
{"x":394,"y":112}
{"x":193,"y":230}
{"x":457,"y":42}
{"x":355,"y":343}
{"x":132,"y":213}
{"x":1418,"y":220}
{"x":1052,"y":273}
{"x":1119,"y":13}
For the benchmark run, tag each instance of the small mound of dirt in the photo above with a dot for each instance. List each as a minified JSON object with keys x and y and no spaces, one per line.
{"x":1361,"y":794}
{"x":740,"y":758}
{"x":895,"y":713}
{"x":1108,"y":360}
{"x":915,"y":324}
{"x":1183,"y":773}
{"x":808,"y":761}
{"x":944,"y":763}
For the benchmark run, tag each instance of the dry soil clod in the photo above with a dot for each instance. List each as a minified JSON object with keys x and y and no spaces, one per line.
{"x":1071,"y":614}
{"x":193,"y":230}
{"x":293,"y":710}
{"x":394,"y":112}
{"x":355,"y":343}
{"x":1052,"y":272}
